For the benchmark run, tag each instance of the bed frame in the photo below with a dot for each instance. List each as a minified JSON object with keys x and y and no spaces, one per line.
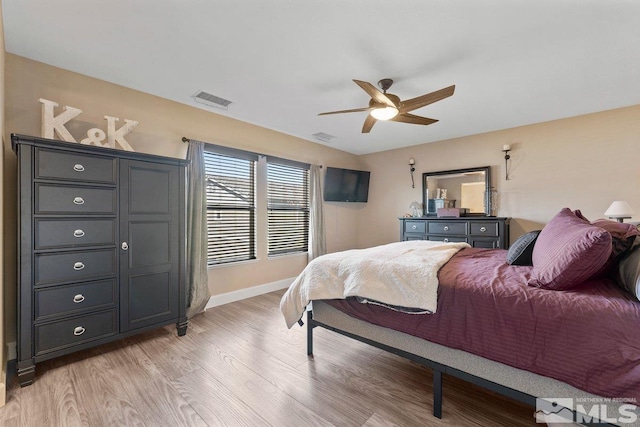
{"x":515,"y":383}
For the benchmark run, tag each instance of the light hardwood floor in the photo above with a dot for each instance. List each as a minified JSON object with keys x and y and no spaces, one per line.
{"x":239,"y":365}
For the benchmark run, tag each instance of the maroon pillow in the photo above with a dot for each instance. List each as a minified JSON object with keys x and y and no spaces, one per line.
{"x":623,"y":235}
{"x":569,"y":250}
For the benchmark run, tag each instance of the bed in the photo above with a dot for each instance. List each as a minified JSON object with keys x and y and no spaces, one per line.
{"x":562,"y":329}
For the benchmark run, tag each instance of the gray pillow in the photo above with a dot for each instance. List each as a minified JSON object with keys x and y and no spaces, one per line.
{"x":629,"y":271}
{"x":521,"y":250}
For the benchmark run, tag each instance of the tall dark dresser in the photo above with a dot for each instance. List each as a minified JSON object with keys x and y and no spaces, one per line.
{"x":101,"y":247}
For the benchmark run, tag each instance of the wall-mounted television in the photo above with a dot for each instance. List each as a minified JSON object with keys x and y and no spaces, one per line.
{"x":346,"y":185}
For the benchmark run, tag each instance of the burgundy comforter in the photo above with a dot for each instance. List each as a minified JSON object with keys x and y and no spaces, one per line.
{"x":588,"y":337}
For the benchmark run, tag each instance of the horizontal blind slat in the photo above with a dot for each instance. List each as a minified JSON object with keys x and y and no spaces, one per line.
{"x":288,"y":208}
{"x":230,"y":197}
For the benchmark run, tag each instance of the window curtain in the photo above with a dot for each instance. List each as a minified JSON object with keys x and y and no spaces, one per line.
{"x":317,"y":240}
{"x":197,"y":277}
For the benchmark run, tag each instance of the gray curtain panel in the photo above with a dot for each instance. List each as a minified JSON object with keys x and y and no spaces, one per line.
{"x":197,"y":282}
{"x":317,"y":240}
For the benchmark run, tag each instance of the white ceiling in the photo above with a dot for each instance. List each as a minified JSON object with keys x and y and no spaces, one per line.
{"x":281,"y":62}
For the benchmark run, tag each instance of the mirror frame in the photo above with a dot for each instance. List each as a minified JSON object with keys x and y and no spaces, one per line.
{"x":487,"y":189}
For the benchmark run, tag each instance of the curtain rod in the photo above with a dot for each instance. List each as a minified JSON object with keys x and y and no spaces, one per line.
{"x":185,"y":139}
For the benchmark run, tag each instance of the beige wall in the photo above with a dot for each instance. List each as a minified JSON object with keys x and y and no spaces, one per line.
{"x":583,"y":162}
{"x":3,"y":281}
{"x":162,"y":125}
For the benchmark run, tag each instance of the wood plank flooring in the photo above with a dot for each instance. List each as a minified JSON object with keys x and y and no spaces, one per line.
{"x":239,"y":365}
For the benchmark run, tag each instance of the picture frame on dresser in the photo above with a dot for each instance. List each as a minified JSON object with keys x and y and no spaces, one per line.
{"x":101,"y":247}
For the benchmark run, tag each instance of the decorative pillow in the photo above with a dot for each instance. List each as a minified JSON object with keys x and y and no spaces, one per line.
{"x":623,"y":235}
{"x":522,"y":249}
{"x":569,"y":250}
{"x":629,"y":272}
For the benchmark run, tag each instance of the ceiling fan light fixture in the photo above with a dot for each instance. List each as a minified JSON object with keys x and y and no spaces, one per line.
{"x":384,"y":113}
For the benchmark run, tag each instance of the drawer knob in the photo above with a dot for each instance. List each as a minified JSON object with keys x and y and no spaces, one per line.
{"x":79,"y":330}
{"x":78,"y":167}
{"x":446,"y":228}
{"x":483,"y":229}
{"x":124,"y":246}
{"x":446,"y":240}
{"x":78,"y":233}
{"x":78,"y":266}
{"x":414,"y":227}
{"x":78,"y":298}
{"x":78,"y":201}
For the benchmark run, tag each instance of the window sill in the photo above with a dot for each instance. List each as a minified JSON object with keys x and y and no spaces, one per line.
{"x":233,"y":264}
{"x":289,"y":255}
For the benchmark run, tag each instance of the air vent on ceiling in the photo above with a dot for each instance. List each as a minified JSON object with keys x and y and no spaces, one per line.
{"x":324,"y":137}
{"x":211,"y":100}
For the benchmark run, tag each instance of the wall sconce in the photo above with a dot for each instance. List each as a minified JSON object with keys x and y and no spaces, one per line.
{"x":505,"y":149}
{"x":412,"y":169}
{"x":619,"y":210}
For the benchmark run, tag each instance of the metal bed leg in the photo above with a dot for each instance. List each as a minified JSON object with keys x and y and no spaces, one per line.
{"x":310,"y":333}
{"x":437,"y":393}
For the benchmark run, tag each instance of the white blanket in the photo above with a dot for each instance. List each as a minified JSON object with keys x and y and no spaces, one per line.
{"x":402,"y":274}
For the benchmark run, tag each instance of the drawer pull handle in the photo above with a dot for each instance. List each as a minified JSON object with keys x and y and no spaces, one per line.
{"x":446,"y":240}
{"x":78,"y":233}
{"x":78,"y":298}
{"x":124,"y":246}
{"x":79,"y":330}
{"x":78,"y":201}
{"x":483,"y":229}
{"x":414,"y":227}
{"x":78,"y":167}
{"x":446,"y":228}
{"x":78,"y":266}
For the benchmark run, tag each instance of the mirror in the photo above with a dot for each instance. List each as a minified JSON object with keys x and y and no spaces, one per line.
{"x":459,"y":188}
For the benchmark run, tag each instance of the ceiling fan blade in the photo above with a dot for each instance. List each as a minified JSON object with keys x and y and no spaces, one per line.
{"x":410,"y":118}
{"x":374,"y":93}
{"x":368,"y":123}
{"x":355,"y":110}
{"x":429,"y":98}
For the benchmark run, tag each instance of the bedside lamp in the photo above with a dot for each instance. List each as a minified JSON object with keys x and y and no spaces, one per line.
{"x":619,"y":210}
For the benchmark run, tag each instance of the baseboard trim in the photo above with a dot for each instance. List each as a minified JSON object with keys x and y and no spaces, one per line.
{"x":254,"y":291}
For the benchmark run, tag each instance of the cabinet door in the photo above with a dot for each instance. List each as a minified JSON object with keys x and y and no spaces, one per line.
{"x":149,"y":248}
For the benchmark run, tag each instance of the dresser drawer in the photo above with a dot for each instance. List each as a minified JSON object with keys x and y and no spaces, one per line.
{"x":55,"y":233}
{"x":415,"y":227}
{"x":447,"y":228}
{"x":76,"y":167}
{"x":485,"y":228}
{"x":74,"y":200}
{"x":64,"y":300}
{"x":65,"y":333}
{"x":74,"y":266}
{"x":448,"y":239}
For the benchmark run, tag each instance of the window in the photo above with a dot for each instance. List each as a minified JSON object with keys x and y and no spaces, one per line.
{"x":288,"y":207}
{"x":230,"y":206}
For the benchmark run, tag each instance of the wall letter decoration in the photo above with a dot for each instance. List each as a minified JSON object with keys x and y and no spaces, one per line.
{"x":51,"y":123}
{"x":114,"y":135}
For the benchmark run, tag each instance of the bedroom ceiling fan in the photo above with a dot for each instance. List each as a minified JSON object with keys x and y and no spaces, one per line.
{"x":387,"y":106}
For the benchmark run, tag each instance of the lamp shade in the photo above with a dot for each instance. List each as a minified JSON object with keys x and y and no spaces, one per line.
{"x":384,"y":113}
{"x":619,"y":210}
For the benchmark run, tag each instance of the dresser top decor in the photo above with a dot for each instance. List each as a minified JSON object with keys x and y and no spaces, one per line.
{"x":53,"y":125}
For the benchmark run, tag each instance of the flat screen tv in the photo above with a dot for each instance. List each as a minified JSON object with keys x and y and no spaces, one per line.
{"x":346,"y":185}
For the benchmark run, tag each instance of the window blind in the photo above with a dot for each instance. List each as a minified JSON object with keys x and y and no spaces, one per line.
{"x":288,"y":208}
{"x":230,"y":208}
